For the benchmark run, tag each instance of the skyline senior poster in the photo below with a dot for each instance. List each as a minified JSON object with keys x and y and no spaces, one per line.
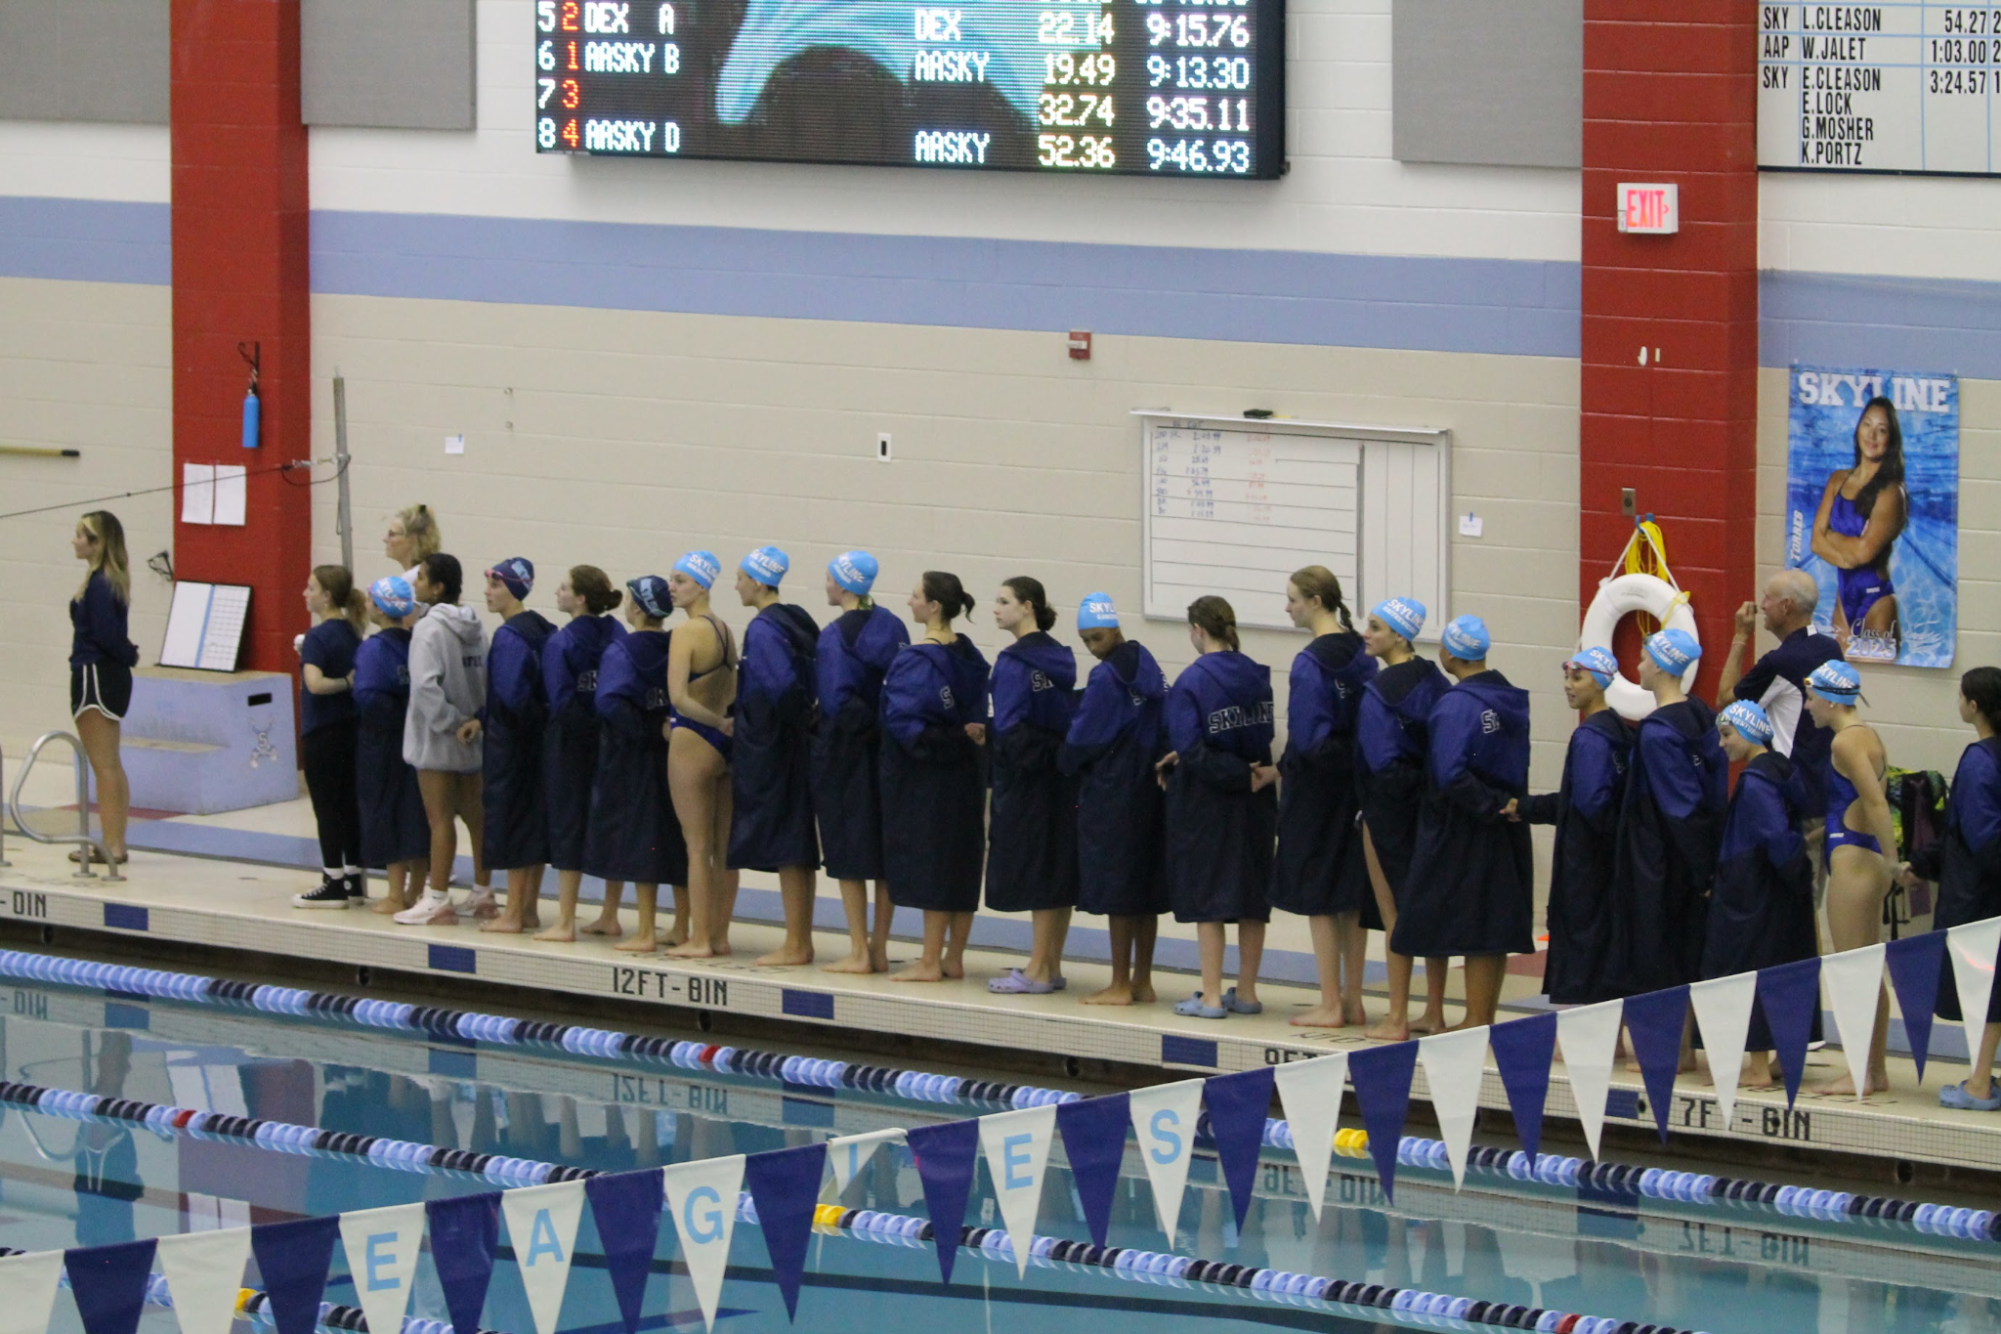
{"x":1872,"y":508}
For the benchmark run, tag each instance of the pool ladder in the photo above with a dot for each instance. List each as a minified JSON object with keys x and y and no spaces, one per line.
{"x":82,"y":837}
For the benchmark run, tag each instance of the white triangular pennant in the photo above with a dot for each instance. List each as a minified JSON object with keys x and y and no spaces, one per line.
{"x":382,"y":1249}
{"x":1723,"y":1013}
{"x":1164,"y":1117}
{"x":1017,"y":1146}
{"x":1589,"y":1036}
{"x":1310,"y":1093}
{"x":849,"y":1154}
{"x":702,"y":1196}
{"x":28,"y":1291}
{"x":1973,"y":948}
{"x":204,"y":1273}
{"x":1854,"y":982}
{"x":542,"y":1230}
{"x":1453,"y":1065}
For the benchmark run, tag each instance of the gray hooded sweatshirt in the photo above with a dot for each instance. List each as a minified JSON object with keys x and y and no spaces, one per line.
{"x":447,"y":689}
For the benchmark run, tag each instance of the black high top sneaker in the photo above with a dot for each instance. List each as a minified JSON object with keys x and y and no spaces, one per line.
{"x":332,"y":893}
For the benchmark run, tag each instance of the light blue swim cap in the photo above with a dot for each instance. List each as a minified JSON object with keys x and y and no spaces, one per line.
{"x":854,"y":571}
{"x":701,"y":566}
{"x":1750,"y":720}
{"x":1836,"y":682}
{"x":767,"y":565}
{"x":1597,"y":661}
{"x":1466,"y":639}
{"x":1673,"y":650}
{"x":1096,"y":612}
{"x":392,"y":596}
{"x":1403,"y":615}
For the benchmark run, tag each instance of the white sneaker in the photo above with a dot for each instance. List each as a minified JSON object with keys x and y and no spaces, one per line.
{"x":480,"y":905}
{"x":431,"y":910}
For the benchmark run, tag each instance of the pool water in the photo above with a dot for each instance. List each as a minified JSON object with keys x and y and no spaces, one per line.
{"x":67,"y":1182}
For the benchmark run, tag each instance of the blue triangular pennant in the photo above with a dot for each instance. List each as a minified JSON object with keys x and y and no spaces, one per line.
{"x":785,"y":1186}
{"x":109,"y":1283}
{"x":292,"y":1260}
{"x":1094,"y":1140}
{"x":1790,"y":996}
{"x":464,"y":1233}
{"x":626,"y":1206}
{"x":1524,"y":1049}
{"x":1237,"y":1107}
{"x":1915,"y":963}
{"x":1381,"y":1076}
{"x":1657,"y":1019}
{"x":945,"y":1166}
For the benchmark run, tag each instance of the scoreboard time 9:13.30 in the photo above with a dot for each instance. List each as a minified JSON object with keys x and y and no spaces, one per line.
{"x":1128,"y":87}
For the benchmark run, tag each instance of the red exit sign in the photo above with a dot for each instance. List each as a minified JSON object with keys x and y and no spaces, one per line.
{"x":1649,"y":208}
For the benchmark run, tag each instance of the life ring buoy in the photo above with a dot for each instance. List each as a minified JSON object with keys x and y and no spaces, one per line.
{"x":1618,"y":598}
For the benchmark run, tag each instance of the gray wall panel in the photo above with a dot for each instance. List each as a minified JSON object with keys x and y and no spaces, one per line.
{"x":399,"y":64}
{"x":95,"y":60}
{"x":1497,"y":82}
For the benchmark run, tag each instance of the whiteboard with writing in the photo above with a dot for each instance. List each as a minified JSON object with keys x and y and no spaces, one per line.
{"x":1233,"y":507}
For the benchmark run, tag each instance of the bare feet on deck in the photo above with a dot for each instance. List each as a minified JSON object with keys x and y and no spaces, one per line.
{"x":784,"y":957}
{"x":387,"y":906}
{"x":604,"y":926}
{"x":644,"y":944}
{"x":691,"y":949}
{"x":1389,"y":1031}
{"x":562,"y":933}
{"x":1429,"y":1024}
{"x":860,"y":962}
{"x":918,"y":972}
{"x":1121,"y":994}
{"x":1320,"y":1016}
{"x":1844,"y":1086}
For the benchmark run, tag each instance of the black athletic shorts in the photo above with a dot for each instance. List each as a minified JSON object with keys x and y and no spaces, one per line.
{"x":104,"y":686}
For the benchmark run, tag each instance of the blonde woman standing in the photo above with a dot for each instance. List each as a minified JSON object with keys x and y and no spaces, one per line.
{"x":413,"y":534}
{"x":101,"y":658}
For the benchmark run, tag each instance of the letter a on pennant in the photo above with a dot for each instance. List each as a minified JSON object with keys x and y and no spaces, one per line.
{"x":1017,"y":1147}
{"x":1164,"y":1116}
{"x":702,"y":1197}
{"x":542,"y":1230}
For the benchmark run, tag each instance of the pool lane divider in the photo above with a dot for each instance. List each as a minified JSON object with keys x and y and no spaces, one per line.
{"x":1597,"y":1182}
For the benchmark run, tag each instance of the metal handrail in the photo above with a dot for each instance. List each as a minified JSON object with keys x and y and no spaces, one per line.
{"x":82,"y":837}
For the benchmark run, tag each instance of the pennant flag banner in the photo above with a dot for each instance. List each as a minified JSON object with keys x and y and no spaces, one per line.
{"x":785,"y":1186}
{"x":382,"y":1246}
{"x":28,"y":1291}
{"x":464,"y":1232}
{"x":292,"y":1258}
{"x":542,"y":1230}
{"x":1790,"y":995}
{"x":1524,"y":1050}
{"x":1723,"y":1013}
{"x":1590,"y":1037}
{"x":1973,"y":948}
{"x":109,"y":1284}
{"x":1017,"y":1149}
{"x":1164,"y":1119}
{"x":1381,"y":1076}
{"x":703,"y":1196}
{"x":1914,"y":963}
{"x":849,"y":1154}
{"x":1310,"y":1094}
{"x":204,"y":1272}
{"x":1854,"y":981}
{"x":945,"y":1166}
{"x":626,"y":1208}
{"x":1094,"y":1140}
{"x":1657,"y":1021}
{"x":1453,"y":1065}
{"x":1238,"y":1105}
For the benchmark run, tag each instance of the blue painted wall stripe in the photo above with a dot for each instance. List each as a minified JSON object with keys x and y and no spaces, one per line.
{"x":85,"y":240}
{"x":1417,"y":303}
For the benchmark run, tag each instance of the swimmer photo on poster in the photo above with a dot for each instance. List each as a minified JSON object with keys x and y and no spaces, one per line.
{"x":1872,"y":509}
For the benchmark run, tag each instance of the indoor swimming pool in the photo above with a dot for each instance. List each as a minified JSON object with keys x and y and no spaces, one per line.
{"x":413,"y":1106}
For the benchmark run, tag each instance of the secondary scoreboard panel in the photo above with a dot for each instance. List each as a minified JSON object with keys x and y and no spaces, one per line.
{"x":1119,"y":87}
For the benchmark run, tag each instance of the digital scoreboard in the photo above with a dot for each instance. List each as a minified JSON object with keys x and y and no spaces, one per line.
{"x":1899,"y":87}
{"x":1127,"y":87}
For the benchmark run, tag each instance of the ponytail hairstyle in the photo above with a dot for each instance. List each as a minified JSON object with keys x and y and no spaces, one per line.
{"x":594,"y":587}
{"x":338,"y":585}
{"x":1317,"y":582}
{"x":421,"y":527}
{"x":1214,"y":617}
{"x":109,"y":558}
{"x":1982,"y":688}
{"x":444,"y":571}
{"x":946,"y":590}
{"x":1030,"y":591}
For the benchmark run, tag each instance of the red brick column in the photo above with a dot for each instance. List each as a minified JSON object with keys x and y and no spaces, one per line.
{"x":1670,"y":95}
{"x":240,"y":275}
